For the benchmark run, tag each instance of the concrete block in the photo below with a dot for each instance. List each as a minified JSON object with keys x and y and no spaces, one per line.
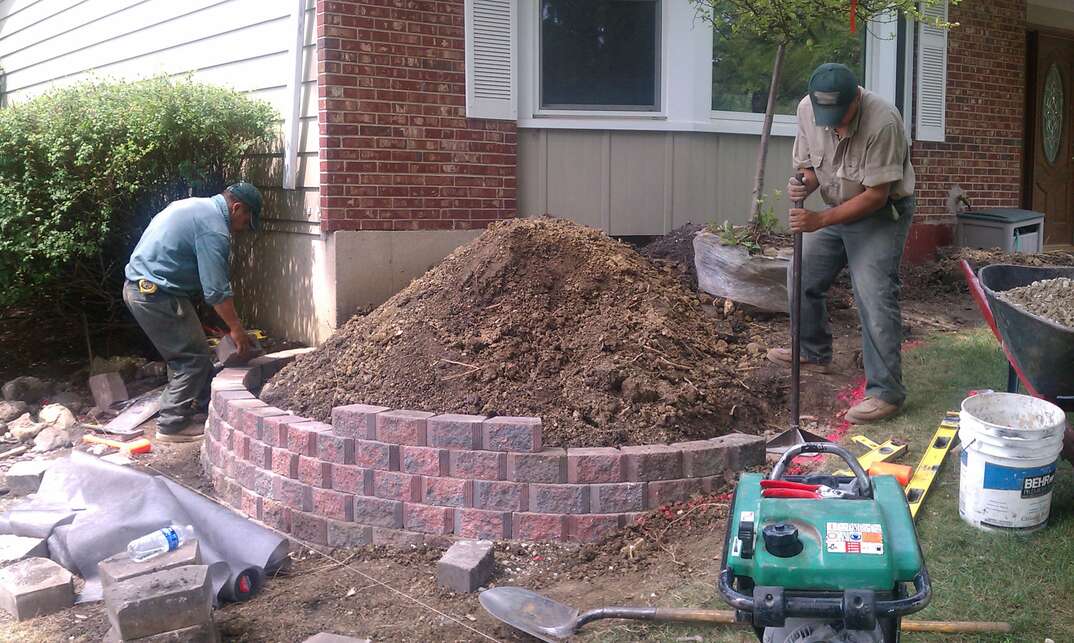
{"x":35,"y":587}
{"x":16,"y":548}
{"x":204,"y":633}
{"x":465,"y":566}
{"x":594,"y":465}
{"x":120,"y":567}
{"x":25,"y":477}
{"x":478,"y":523}
{"x":522,"y":434}
{"x":107,"y":389}
{"x":227,"y":353}
{"x":164,"y":601}
{"x":325,"y":637}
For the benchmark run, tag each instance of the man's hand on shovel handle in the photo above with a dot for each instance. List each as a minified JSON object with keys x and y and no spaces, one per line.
{"x":803,"y":220}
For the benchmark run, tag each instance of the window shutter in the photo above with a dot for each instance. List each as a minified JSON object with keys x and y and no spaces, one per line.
{"x":931,"y":75}
{"x":491,"y":77}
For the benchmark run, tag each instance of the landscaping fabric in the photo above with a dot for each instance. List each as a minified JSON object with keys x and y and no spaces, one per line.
{"x":538,"y":317}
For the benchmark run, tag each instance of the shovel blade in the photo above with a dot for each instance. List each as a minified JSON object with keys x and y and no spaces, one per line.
{"x":530,"y":612}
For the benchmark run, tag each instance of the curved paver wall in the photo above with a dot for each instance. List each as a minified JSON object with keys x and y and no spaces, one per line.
{"x":378,"y":475}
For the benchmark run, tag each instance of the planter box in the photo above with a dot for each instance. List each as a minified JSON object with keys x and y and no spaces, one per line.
{"x":730,"y":272}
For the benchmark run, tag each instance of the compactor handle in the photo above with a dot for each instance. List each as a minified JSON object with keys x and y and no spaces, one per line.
{"x":864,"y":485}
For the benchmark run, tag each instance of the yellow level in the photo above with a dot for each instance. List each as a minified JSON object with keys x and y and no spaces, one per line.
{"x":876,"y":453}
{"x":931,"y":461}
{"x":256,"y":333}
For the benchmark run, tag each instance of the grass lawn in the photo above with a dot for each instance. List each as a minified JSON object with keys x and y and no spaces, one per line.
{"x":1025,"y":580}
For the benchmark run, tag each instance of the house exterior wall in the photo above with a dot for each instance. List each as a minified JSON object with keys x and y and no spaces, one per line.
{"x":242,"y":44}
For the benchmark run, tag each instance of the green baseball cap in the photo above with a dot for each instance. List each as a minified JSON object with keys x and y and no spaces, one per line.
{"x":251,"y":197}
{"x":832,"y":89}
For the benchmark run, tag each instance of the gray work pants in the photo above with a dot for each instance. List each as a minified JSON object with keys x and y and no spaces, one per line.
{"x":175,"y":330}
{"x":871,"y":248}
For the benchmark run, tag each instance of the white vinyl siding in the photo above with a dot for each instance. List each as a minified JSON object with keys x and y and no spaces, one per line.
{"x":931,"y":90}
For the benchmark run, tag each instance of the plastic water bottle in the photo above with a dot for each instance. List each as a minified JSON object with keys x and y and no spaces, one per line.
{"x":159,"y":542}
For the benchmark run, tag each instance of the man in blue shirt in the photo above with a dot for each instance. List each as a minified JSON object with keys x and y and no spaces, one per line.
{"x":185,"y":252}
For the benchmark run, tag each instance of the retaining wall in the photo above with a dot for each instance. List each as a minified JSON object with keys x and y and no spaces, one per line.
{"x":379,"y":475}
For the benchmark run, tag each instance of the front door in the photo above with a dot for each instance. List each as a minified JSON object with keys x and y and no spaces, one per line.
{"x":1052,"y":171}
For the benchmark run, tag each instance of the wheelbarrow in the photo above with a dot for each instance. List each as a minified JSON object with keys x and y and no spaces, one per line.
{"x":1040,"y":352}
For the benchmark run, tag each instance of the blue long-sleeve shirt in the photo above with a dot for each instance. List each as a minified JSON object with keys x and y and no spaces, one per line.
{"x":185,"y":250}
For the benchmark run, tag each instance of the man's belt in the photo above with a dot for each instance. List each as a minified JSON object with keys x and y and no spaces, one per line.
{"x":146,"y":287}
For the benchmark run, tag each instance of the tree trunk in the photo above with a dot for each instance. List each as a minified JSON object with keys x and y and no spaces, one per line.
{"x":766,"y":133}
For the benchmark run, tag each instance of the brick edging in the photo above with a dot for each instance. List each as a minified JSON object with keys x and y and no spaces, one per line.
{"x":384,"y":476}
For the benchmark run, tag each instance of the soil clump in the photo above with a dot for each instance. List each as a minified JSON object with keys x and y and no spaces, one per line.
{"x":1052,"y":299}
{"x":539,"y":317}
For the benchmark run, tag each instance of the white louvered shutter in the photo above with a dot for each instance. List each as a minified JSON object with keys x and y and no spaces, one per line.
{"x":931,"y":76}
{"x":491,"y":45}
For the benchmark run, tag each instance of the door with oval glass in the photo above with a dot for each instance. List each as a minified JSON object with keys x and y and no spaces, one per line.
{"x":1051,"y":178}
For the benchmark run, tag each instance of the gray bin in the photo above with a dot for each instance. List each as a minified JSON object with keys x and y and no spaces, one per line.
{"x":1009,"y":229}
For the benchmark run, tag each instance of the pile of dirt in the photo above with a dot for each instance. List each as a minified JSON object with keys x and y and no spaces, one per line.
{"x":1052,"y":299}
{"x":676,"y":249}
{"x":943,"y":276}
{"x":539,"y":317}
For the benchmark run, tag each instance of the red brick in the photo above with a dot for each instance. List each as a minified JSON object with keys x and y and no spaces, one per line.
{"x":531,"y":526}
{"x":559,"y":498}
{"x":547,"y":466}
{"x":665,"y":492}
{"x":349,"y":478}
{"x":285,"y":463}
{"x":501,"y":496}
{"x":356,"y":420}
{"x":701,"y":458}
{"x":236,"y":407}
{"x":263,"y":482}
{"x":397,"y":537}
{"x":252,"y":420}
{"x":348,"y":534}
{"x":447,"y":492}
{"x":600,"y":464}
{"x":276,"y":515}
{"x":309,"y":528}
{"x":240,"y":445}
{"x":394,"y":485}
{"x":481,"y":465}
{"x":244,"y":474}
{"x":521,"y":434}
{"x":302,"y":437}
{"x":378,"y":512}
{"x":617,"y":497}
{"x":333,"y":504}
{"x":480,"y":524}
{"x":250,"y":504}
{"x":221,"y":398}
{"x":403,"y":427}
{"x":260,"y":454}
{"x":651,"y":462}
{"x":274,"y":429}
{"x":334,"y":448}
{"x":292,"y":493}
{"x":427,"y":519}
{"x":424,"y":461}
{"x":314,"y":472}
{"x":453,"y":431}
{"x":593,"y":528}
{"x":376,"y":455}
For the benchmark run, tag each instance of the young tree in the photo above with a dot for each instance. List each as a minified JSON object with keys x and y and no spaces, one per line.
{"x":784,"y":24}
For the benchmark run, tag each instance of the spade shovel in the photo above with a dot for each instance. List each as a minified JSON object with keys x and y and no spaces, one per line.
{"x":548,"y":620}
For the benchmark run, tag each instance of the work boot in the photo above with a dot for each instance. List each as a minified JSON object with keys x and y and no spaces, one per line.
{"x":782,"y":356}
{"x":871,"y":409}
{"x":192,"y":431}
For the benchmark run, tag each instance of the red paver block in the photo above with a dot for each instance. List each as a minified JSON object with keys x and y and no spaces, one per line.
{"x":212,"y":427}
{"x":701,"y":458}
{"x":717,"y":484}
{"x":348,"y":534}
{"x":276,"y":515}
{"x":302,"y":437}
{"x":335,"y":448}
{"x":594,"y":465}
{"x":397,"y":537}
{"x":425,"y":461}
{"x":520,"y":434}
{"x":274,"y":429}
{"x":532,"y":526}
{"x":260,"y":454}
{"x":236,"y":407}
{"x":250,"y":504}
{"x":395,"y":485}
{"x":333,"y":504}
{"x":548,"y":466}
{"x":252,"y":420}
{"x":263,"y":482}
{"x":403,"y":427}
{"x":285,"y":463}
{"x":231,"y":493}
{"x":378,"y":512}
{"x":230,"y":379}
{"x":651,"y":462}
{"x":221,"y":398}
{"x":455,"y":431}
{"x":240,"y":445}
{"x":447,"y":492}
{"x":244,"y":473}
{"x":743,"y":450}
{"x":479,"y":465}
{"x":501,"y":496}
{"x":427,"y":519}
{"x":617,"y":497}
{"x":376,"y":455}
{"x":314,"y":472}
{"x":292,"y":493}
{"x":356,"y":420}
{"x":481,"y":524}
{"x":591,"y":528}
{"x":349,"y":478}
{"x":559,"y":498}
{"x":309,"y":528}
{"x":665,"y":492}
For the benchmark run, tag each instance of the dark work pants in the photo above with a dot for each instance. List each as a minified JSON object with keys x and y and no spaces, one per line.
{"x":871,"y":248}
{"x":175,"y":330}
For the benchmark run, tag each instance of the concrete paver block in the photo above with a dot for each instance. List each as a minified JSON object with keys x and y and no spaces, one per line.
{"x":164,"y":601}
{"x":120,"y":567}
{"x":465,"y":566}
{"x":204,"y":633}
{"x":107,"y":389}
{"x":16,"y":548}
{"x":325,"y":637}
{"x":25,"y":477}
{"x":35,"y":587}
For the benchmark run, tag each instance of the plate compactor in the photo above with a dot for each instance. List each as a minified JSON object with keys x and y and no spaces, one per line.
{"x":820,"y":557}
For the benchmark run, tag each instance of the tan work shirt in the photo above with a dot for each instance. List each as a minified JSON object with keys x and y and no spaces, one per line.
{"x":875,"y":151}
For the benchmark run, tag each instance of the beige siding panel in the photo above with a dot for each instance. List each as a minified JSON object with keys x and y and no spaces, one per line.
{"x":694,"y":193}
{"x":736,"y":167}
{"x":532,"y":172}
{"x":638,"y":182}
{"x":575,"y":168}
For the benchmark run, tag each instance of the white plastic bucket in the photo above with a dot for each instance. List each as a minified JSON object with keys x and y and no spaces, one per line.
{"x":1010,"y":445}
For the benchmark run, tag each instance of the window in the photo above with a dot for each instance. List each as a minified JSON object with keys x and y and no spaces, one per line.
{"x":600,"y":54}
{"x":742,"y":67}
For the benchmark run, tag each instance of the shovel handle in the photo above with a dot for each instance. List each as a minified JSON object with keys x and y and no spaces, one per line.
{"x":660,"y":614}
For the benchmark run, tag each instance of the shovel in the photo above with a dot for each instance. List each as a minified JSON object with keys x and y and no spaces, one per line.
{"x":550,"y":621}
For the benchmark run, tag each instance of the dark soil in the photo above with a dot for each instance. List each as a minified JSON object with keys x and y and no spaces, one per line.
{"x":1052,"y":299}
{"x":676,"y":249}
{"x":539,"y":317}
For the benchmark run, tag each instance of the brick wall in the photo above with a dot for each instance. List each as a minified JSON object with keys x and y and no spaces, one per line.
{"x":397,"y":151}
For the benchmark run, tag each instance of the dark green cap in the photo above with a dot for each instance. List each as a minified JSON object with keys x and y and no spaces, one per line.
{"x":832,"y":89}
{"x":251,"y":197}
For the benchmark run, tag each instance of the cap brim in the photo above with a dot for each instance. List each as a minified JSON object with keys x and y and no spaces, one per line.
{"x":829,"y":115}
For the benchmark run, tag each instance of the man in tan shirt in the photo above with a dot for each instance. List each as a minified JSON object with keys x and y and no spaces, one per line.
{"x":852,"y":146}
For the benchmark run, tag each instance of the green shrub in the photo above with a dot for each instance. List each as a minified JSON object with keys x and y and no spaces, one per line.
{"x":84,"y":168}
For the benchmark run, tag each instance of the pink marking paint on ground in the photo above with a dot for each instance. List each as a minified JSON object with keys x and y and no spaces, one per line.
{"x":911,"y":344}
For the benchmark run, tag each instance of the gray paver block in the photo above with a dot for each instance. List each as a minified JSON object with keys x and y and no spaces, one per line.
{"x":16,"y":548}
{"x":120,"y":567}
{"x":325,"y":637}
{"x":172,"y":599}
{"x":25,"y":477}
{"x":465,"y":566}
{"x":35,"y":587}
{"x":107,"y":389}
{"x":204,"y":633}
